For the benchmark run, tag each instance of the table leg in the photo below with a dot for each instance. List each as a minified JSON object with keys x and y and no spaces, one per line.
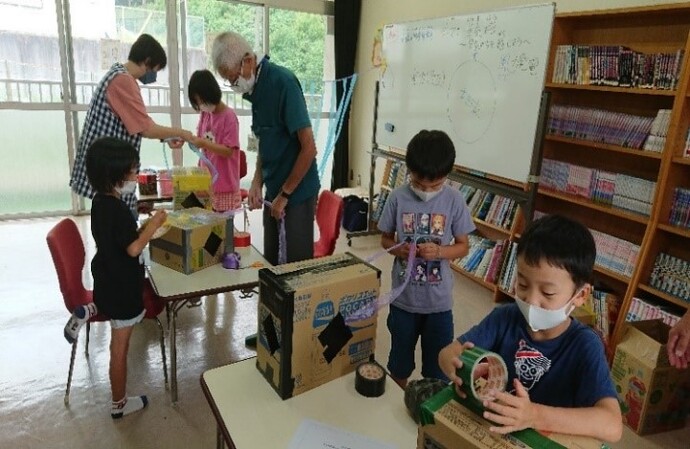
{"x":173,"y":353}
{"x":220,"y":442}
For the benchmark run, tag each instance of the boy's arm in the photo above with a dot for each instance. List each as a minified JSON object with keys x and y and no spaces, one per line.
{"x":388,"y":241}
{"x":515,"y":412}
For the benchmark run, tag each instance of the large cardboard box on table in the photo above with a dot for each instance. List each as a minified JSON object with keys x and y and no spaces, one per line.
{"x":194,"y":241}
{"x":308,"y":331}
{"x":449,"y":422}
{"x":654,"y":396}
{"x":191,"y":188}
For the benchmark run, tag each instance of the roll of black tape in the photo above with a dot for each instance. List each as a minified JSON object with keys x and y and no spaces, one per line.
{"x":370,"y":379}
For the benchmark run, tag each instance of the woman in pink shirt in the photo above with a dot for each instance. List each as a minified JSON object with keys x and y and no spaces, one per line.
{"x":218,"y":134}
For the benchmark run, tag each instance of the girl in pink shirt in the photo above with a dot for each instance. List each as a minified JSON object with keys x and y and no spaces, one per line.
{"x":218,"y":134}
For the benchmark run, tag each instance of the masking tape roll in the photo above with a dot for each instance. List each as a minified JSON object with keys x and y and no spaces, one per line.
{"x":370,"y":379}
{"x":242,"y":239}
{"x":482,"y":371}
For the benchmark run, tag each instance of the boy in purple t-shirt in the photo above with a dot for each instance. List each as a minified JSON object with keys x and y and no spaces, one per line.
{"x":435,"y":218}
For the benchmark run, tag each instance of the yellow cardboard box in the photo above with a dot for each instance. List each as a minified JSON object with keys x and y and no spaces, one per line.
{"x":654,"y":396}
{"x":194,"y":241}
{"x":191,"y":188}
{"x":308,"y":334}
{"x":448,"y":423}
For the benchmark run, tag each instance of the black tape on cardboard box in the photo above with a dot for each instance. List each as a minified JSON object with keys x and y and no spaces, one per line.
{"x":335,"y":337}
{"x":269,"y":330}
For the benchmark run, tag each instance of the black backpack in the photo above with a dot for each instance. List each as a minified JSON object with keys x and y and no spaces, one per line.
{"x":355,"y":213}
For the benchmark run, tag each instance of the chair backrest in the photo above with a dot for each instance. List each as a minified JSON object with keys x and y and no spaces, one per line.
{"x":67,"y":249}
{"x":329,"y":214}
{"x":243,"y":164}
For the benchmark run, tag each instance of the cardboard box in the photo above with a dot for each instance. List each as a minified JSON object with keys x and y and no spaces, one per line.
{"x":448,"y":423}
{"x":195,"y":240}
{"x":191,"y":188}
{"x":654,"y":396}
{"x":307,"y":331}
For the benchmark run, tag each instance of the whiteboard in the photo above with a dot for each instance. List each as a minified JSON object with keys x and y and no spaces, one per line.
{"x":478,"y":77}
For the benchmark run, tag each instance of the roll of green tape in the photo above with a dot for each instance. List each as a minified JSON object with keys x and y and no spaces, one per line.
{"x":482,"y":372}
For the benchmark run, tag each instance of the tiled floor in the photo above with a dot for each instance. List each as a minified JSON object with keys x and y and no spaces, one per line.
{"x":34,"y":358}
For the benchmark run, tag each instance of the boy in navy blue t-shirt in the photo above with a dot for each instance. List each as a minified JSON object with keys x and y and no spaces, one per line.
{"x":559,"y":379}
{"x":435,"y":218}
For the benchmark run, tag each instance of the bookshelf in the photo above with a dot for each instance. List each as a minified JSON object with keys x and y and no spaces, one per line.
{"x":648,"y":50}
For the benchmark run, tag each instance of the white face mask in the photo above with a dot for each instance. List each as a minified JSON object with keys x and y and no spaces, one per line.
{"x":540,"y":319}
{"x":424,"y":196}
{"x":204,"y":107}
{"x":244,"y":85}
{"x":128,"y":187}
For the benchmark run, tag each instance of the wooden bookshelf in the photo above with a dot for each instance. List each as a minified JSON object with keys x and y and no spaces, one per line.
{"x":621,"y":90}
{"x":605,"y":147}
{"x":649,"y":30}
{"x":614,"y":212}
{"x":473,"y":278}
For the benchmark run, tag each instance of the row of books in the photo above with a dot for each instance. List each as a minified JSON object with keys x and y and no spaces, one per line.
{"x":680,"y":208}
{"x":397,"y":175}
{"x":641,"y":309}
{"x":606,"y":307}
{"x":478,"y":257}
{"x":613,"y":189}
{"x":616,"y":65}
{"x":656,"y":140}
{"x":379,"y":202}
{"x":671,"y":275}
{"x":487,"y":206}
{"x":614,"y":254}
{"x":599,"y":125}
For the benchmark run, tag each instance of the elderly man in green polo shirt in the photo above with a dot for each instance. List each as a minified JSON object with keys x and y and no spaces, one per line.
{"x":286,"y":164}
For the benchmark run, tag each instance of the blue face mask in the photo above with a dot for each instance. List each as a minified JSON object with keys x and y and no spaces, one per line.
{"x":148,"y":77}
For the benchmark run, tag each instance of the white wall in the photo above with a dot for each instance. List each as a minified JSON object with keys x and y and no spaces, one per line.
{"x":376,"y":13}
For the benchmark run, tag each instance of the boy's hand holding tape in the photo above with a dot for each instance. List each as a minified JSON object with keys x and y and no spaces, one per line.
{"x":511,"y":411}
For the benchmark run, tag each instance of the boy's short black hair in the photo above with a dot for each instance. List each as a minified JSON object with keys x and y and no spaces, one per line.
{"x":108,"y":162}
{"x":430,"y":155}
{"x":562,"y":243}
{"x":148,"y":50}
{"x":204,"y":85}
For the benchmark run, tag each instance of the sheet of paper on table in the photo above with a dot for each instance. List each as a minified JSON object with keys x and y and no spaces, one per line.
{"x":316,"y":435}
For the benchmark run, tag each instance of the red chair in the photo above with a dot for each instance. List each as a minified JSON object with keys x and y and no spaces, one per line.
{"x":329,"y":215}
{"x":67,"y":250}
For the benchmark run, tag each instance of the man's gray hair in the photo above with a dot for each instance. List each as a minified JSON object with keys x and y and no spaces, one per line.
{"x":228,"y":50}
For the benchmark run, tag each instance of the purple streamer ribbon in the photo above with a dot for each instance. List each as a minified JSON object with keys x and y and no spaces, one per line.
{"x":282,"y":241}
{"x":385,"y":298}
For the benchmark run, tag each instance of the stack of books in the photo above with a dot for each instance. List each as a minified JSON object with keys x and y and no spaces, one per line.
{"x":614,"y":254}
{"x":486,"y":206}
{"x":606,"y":307}
{"x":671,"y":275}
{"x":615,"y":189}
{"x":508,"y":273}
{"x":633,"y":194}
{"x":657,"y":135}
{"x":641,"y":309}
{"x":686,"y":151}
{"x":379,"y":202}
{"x":599,"y":125}
{"x":680,"y":209}
{"x":616,"y":65}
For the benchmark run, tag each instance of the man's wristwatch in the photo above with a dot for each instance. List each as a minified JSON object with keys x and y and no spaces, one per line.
{"x":285,"y":195}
